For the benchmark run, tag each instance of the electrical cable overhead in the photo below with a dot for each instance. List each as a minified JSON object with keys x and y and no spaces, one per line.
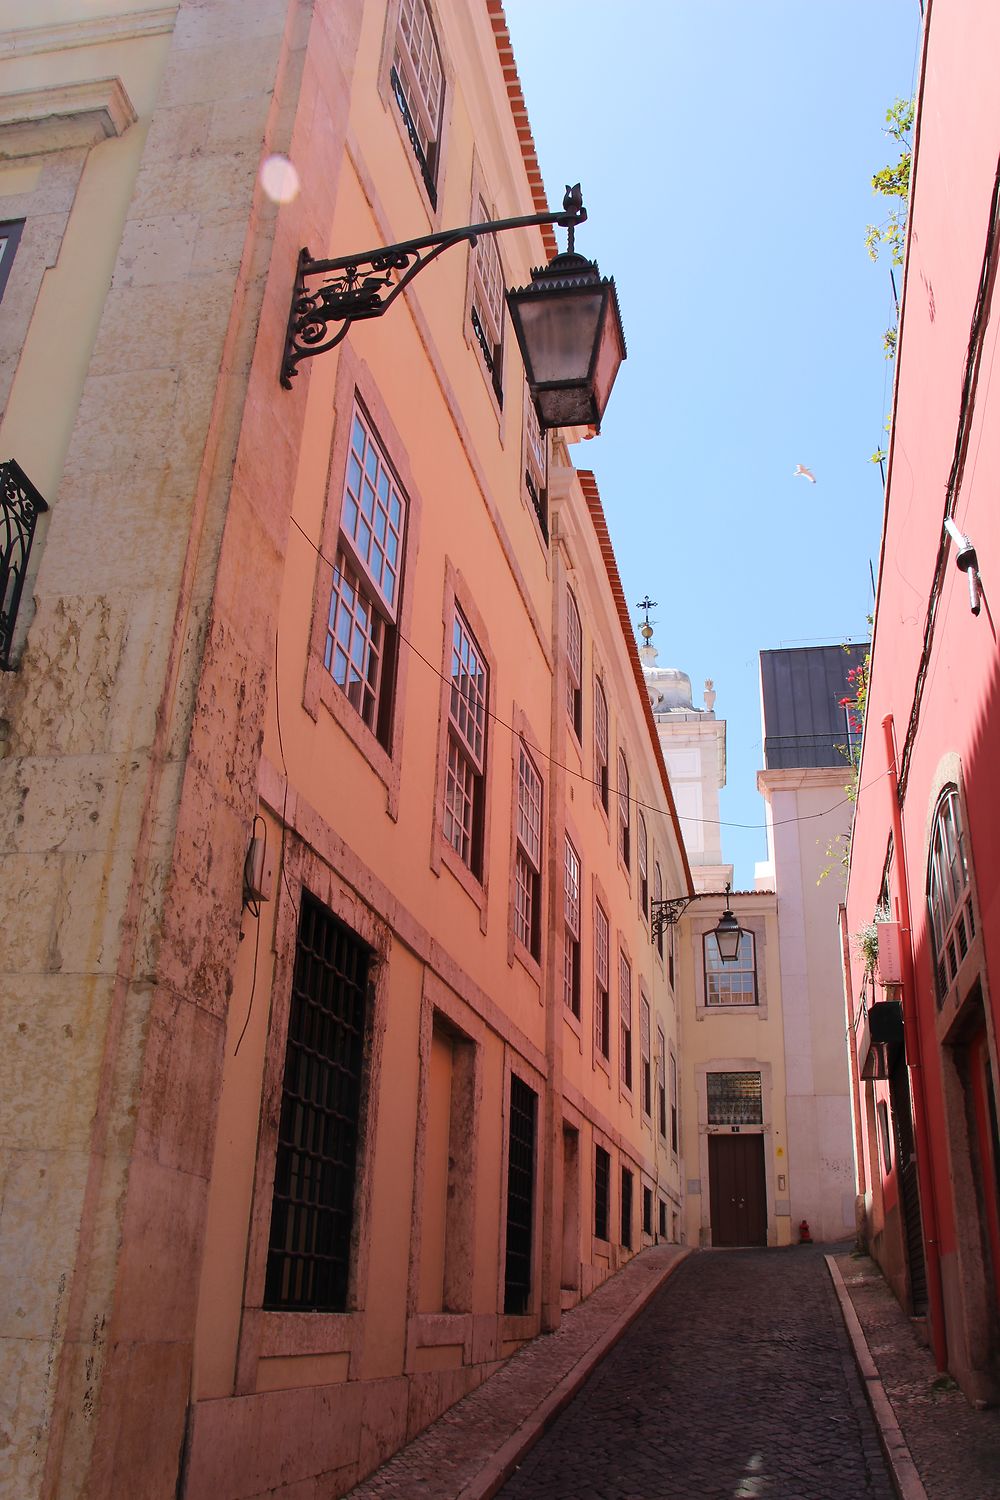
{"x":558,"y":765}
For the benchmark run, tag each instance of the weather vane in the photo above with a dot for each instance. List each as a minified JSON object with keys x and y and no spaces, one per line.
{"x":646,"y":630}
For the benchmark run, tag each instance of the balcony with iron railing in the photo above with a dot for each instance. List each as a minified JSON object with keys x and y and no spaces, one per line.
{"x":20,"y":507}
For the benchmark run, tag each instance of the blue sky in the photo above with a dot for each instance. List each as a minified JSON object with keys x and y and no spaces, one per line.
{"x":726,"y":150}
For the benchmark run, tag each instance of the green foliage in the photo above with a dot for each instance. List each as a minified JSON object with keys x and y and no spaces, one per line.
{"x":889,"y":343}
{"x":893,"y":182}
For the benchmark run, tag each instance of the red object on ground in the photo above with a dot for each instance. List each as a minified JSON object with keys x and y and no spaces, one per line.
{"x":805,"y":1238}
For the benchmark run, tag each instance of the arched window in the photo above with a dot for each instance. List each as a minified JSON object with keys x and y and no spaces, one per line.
{"x":624,"y":814}
{"x":949,"y":898}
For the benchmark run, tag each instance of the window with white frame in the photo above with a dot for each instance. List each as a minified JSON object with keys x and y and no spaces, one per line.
{"x":625,"y":1010}
{"x":528,"y":857}
{"x":417,"y":79}
{"x":10,"y":237}
{"x":536,"y":463}
{"x":624,"y":813}
{"x":661,"y":1082}
{"x":487,"y":308}
{"x":601,"y":744}
{"x":360,"y":646}
{"x":728,"y":983}
{"x":571,"y":909}
{"x":658,"y":896}
{"x":602,"y":982}
{"x":673,"y":1104}
{"x":643,"y":859}
{"x":645,"y":1058}
{"x":949,"y":895}
{"x":574,"y":665}
{"x":465,"y":769}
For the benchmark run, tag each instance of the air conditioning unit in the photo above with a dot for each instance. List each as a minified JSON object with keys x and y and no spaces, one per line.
{"x":890,"y":944}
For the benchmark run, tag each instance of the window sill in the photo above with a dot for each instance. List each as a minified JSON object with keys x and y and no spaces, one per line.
{"x":526,"y":959}
{"x":320,"y":689}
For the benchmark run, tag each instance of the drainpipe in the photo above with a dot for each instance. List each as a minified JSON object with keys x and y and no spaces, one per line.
{"x":914,"y":1061}
{"x":852,"y":1049}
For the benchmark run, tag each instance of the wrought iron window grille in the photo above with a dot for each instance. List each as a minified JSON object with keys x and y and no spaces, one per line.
{"x":426,"y":165}
{"x":21,"y":506}
{"x":520,"y":1197}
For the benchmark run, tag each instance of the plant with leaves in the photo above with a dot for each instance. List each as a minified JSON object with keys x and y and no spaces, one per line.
{"x":893,"y":182}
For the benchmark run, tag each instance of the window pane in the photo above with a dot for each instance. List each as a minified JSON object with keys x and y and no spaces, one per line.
{"x":529,"y":810}
{"x":735,"y":1099}
{"x":370,"y":492}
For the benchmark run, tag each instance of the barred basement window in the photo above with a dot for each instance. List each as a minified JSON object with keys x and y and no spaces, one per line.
{"x":602,"y":981}
{"x":735,"y":1099}
{"x":20,"y":507}
{"x":571,"y":952}
{"x":10,"y":238}
{"x":602,"y":1191}
{"x":418,"y":84}
{"x":520,"y":1196}
{"x":312,"y":1211}
{"x":663,"y":1220}
{"x":647,"y":1211}
{"x":626,"y":1208}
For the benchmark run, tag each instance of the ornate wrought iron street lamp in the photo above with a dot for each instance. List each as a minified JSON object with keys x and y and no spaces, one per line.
{"x":567,"y":321}
{"x":728,"y":932}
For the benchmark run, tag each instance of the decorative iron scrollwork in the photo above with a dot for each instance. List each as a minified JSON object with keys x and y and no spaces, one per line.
{"x":364,"y":286}
{"x":20,"y":507}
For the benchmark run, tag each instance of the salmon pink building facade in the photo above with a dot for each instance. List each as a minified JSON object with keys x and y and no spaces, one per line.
{"x":924,"y":888}
{"x":340,"y":1052}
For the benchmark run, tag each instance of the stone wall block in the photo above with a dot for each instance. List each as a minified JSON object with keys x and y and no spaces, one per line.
{"x":26,"y":946}
{"x":27,"y":1372}
{"x":68,"y":804}
{"x":138,"y":683}
{"x":383,"y":1422}
{"x":151,"y":328}
{"x":224,"y":1460}
{"x":58,"y":703}
{"x":42,"y":1194}
{"x":225,"y":20}
{"x":336,"y":1427}
{"x":213,"y":186}
{"x":142,"y":1406}
{"x":204,"y":902}
{"x":430,"y":1393}
{"x":192,"y":649}
{"x":227,"y":727}
{"x":51,"y":1040}
{"x":205,"y":74}
{"x":87,"y":916}
{"x":161,"y":1244}
{"x":183,"y":1065}
{"x":177,"y":133}
{"x":124,"y":419}
{"x":156,"y":250}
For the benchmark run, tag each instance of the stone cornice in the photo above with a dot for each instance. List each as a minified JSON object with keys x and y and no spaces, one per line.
{"x":795,"y":778}
{"x":63,"y":115}
{"x":90,"y":32}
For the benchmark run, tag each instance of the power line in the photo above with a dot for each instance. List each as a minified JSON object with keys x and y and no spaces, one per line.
{"x":569,"y":770}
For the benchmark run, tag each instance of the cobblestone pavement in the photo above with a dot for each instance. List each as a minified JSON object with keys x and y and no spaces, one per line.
{"x":736,"y":1381}
{"x":454,"y":1456}
{"x":955,"y":1448}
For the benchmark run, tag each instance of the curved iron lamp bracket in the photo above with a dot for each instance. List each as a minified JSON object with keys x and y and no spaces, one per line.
{"x":365,"y":285}
{"x":668,"y":913}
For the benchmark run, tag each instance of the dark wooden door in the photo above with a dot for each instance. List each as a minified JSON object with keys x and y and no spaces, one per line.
{"x":738,"y":1198}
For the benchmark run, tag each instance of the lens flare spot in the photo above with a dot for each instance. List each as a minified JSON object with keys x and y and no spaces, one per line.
{"x":279,"y":179}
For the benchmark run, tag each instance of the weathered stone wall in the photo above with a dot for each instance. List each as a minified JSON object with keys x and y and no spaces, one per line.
{"x":121,"y":912}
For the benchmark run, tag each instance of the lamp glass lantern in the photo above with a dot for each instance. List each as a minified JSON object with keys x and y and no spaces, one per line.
{"x":569,"y":330}
{"x":728,"y":935}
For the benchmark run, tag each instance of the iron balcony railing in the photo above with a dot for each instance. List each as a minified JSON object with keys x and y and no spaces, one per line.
{"x":21,"y":506}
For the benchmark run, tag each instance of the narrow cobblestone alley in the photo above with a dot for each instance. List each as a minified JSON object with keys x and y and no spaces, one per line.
{"x":736,"y":1381}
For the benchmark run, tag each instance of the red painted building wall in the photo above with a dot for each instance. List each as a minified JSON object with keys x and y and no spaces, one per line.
{"x":935,"y":677}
